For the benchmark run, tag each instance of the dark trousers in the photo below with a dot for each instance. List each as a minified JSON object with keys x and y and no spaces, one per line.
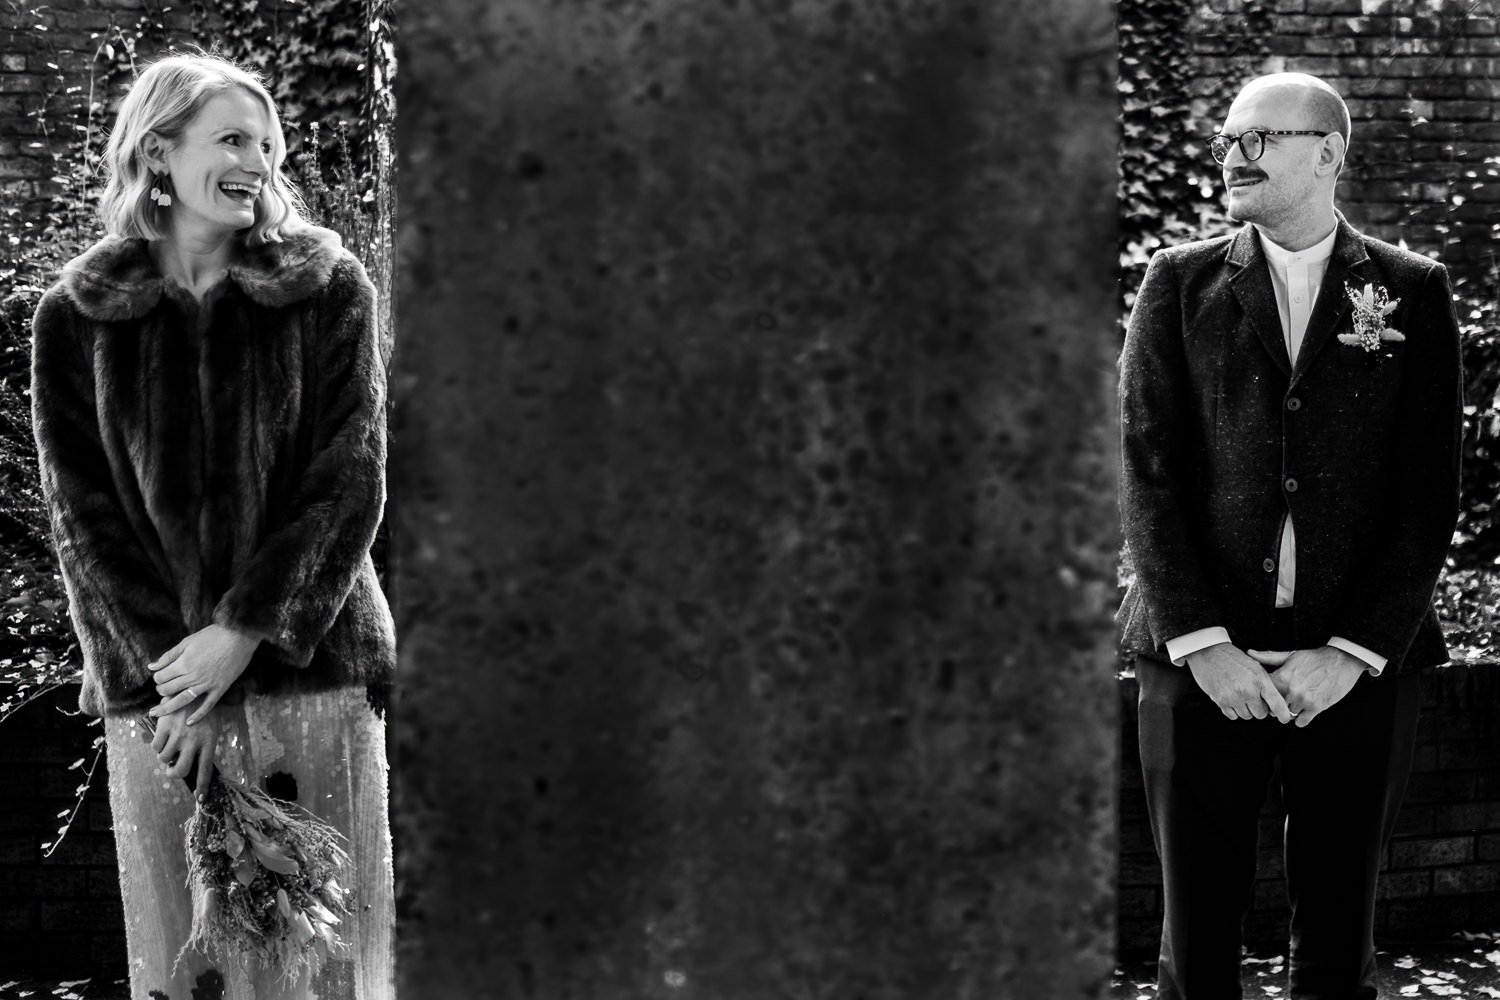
{"x":1342,"y":780}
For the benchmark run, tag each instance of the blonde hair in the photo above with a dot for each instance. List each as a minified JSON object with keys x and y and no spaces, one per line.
{"x":164,"y":100}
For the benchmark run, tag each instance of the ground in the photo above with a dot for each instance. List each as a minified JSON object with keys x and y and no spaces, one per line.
{"x":101,"y":988}
{"x":1466,"y":967}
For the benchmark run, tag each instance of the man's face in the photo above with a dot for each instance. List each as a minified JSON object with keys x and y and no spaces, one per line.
{"x":1282,"y":184}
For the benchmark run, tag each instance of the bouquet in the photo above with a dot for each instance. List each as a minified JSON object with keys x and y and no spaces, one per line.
{"x":264,"y":874}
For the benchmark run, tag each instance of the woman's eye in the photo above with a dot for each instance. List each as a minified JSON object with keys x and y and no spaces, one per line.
{"x":233,"y":140}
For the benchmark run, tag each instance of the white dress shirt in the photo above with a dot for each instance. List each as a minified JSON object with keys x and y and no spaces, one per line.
{"x":1296,"y":278}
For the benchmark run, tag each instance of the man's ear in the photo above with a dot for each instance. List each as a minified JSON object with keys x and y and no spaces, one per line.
{"x":1331,"y":154}
{"x":154,"y":151}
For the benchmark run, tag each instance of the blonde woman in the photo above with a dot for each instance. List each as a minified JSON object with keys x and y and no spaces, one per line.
{"x":209,"y":405}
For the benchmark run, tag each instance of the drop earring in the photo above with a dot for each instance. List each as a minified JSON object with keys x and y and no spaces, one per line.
{"x":160,"y":197}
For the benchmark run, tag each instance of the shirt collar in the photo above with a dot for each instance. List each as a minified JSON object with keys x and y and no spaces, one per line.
{"x":1281,"y":258}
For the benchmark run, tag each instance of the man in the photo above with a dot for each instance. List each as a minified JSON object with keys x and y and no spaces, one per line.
{"x":1290,"y":402}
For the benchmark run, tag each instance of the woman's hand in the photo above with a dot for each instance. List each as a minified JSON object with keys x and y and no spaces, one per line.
{"x":203,"y":665}
{"x":185,"y":749}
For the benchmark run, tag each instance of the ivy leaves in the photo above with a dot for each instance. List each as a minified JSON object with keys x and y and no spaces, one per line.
{"x":315,"y":57}
{"x":1169,"y":186}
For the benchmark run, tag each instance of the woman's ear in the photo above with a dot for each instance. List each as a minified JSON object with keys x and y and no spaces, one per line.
{"x":154,"y":152}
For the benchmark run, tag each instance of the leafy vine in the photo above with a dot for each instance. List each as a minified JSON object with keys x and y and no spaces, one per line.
{"x":1169,"y":187}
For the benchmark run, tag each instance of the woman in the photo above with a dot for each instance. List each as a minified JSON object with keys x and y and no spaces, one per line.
{"x":209,"y":404}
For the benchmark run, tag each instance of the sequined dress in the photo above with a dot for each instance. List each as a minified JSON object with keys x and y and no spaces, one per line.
{"x":324,"y":750}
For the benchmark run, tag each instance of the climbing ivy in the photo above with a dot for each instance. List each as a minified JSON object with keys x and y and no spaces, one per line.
{"x":314,"y":54}
{"x":1170,"y":191}
{"x":1155,"y":114}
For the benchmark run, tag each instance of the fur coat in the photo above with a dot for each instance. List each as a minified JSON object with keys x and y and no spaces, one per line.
{"x":216,"y":463}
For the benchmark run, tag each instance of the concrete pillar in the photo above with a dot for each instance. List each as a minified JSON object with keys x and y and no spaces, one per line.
{"x":753,"y":499}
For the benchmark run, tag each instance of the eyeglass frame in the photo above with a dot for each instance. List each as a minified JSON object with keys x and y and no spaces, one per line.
{"x":1238,"y":140}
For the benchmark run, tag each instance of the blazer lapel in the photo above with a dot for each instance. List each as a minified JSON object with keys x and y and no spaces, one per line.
{"x":1252,"y":288}
{"x":1346,"y":266}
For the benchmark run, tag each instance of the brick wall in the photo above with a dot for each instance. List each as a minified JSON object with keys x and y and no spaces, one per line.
{"x":60,"y":914}
{"x":47,"y":77}
{"x":1443,"y":867}
{"x":1421,"y":78}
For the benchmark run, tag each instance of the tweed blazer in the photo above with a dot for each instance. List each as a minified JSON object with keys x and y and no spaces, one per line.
{"x":1222,"y":436}
{"x":215,"y":463}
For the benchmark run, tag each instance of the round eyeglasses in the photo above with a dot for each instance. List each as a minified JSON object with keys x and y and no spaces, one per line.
{"x":1252,"y":141}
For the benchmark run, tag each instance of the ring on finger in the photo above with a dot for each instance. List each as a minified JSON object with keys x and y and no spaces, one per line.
{"x":192,"y":694}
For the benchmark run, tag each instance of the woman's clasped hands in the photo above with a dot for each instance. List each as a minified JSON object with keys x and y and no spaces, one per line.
{"x":198,"y":669}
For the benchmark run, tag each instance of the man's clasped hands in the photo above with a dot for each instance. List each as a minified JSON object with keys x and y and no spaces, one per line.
{"x":1308,"y":683}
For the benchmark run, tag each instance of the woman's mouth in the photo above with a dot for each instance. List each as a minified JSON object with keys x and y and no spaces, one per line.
{"x":243,"y":193}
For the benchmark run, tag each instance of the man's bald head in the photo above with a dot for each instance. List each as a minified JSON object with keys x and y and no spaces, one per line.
{"x":1319,"y":104}
{"x":1291,"y":182}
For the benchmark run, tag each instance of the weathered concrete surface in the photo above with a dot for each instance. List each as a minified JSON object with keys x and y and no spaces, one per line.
{"x":752,"y":496}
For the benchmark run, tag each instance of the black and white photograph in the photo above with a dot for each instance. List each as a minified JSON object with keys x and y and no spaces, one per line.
{"x":749,"y":499}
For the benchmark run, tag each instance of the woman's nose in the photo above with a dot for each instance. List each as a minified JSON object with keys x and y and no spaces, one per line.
{"x":259,"y":162}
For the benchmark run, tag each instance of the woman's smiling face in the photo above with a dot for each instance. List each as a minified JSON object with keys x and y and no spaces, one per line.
{"x":219,"y":165}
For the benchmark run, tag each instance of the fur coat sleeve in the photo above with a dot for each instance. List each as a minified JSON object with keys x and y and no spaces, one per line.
{"x":221,"y":461}
{"x":122,"y":607}
{"x":297,"y":580}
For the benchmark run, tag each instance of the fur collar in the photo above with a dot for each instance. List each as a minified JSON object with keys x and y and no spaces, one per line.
{"x":116,"y":279}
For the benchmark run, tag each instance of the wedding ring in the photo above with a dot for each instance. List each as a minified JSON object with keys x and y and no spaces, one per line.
{"x":192,"y":693}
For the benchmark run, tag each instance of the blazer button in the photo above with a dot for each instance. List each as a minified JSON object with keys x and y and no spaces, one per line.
{"x":1291,"y":485}
{"x":1294,"y":403}
{"x":1269,"y":565}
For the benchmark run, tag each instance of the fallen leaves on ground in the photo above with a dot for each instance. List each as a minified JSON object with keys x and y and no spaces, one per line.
{"x":1468,"y":965}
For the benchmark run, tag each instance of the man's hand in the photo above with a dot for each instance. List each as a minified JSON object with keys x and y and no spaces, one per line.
{"x":1312,"y":680}
{"x":185,"y":749}
{"x":201,"y":666}
{"x":1237,"y":684}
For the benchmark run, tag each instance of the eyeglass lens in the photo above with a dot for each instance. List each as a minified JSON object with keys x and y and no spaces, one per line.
{"x":1252,"y":144}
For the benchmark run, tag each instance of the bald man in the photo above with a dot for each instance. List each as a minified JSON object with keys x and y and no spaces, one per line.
{"x":1290,"y":402}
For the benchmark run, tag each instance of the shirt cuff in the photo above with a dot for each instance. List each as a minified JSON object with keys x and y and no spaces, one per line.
{"x":1375,"y":663}
{"x":1179,"y":648}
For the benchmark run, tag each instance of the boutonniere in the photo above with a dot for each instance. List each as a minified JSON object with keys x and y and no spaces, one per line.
{"x":1371,"y":306}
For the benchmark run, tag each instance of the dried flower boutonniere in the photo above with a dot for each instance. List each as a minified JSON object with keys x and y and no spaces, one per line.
{"x":1371,"y":306}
